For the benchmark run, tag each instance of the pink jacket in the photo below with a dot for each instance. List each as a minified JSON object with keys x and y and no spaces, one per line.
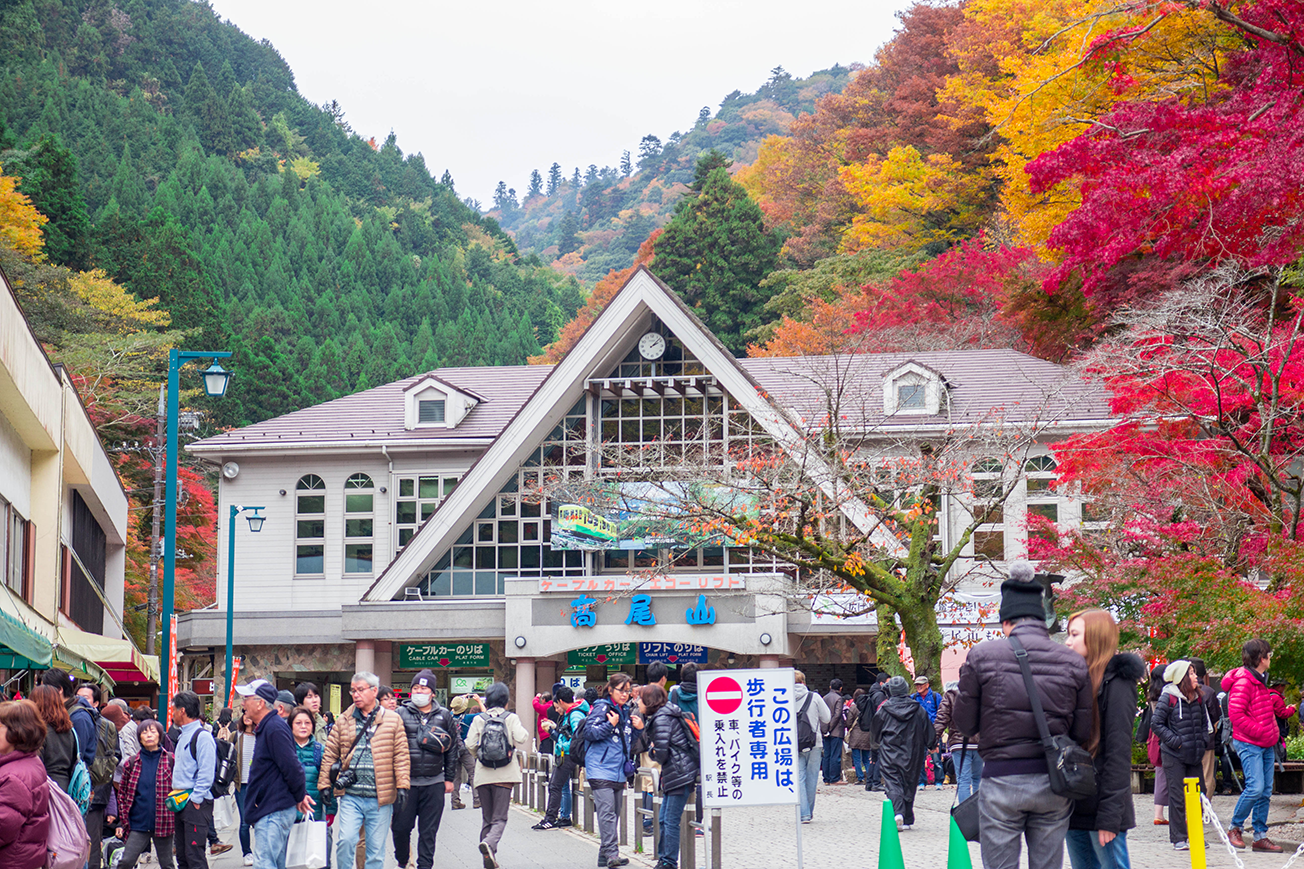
{"x":541,"y":715}
{"x":1254,"y":709}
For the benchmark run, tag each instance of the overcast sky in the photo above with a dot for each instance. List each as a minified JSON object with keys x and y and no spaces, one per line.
{"x":490,"y":91}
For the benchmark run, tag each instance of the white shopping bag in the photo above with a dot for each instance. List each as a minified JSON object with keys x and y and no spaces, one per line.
{"x":225,"y":812}
{"x":307,"y":846}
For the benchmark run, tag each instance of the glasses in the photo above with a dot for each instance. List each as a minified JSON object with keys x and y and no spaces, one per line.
{"x":363,"y":690}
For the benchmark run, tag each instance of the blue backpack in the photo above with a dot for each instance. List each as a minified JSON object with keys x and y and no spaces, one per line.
{"x":79,"y":785}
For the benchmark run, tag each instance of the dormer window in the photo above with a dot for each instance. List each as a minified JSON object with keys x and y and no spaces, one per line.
{"x":430,"y":411}
{"x":914,"y":389}
{"x":911,"y":396}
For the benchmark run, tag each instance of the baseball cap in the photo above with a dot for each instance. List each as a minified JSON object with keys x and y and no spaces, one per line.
{"x":285,"y":697}
{"x":258,"y":688}
{"x":921,"y":680}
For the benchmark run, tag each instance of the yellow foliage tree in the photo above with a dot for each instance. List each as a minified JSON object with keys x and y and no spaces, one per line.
{"x":908,"y":201}
{"x":20,"y":222}
{"x":116,"y":308}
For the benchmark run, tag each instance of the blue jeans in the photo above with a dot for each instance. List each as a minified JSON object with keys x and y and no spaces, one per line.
{"x":808,"y":778}
{"x":271,"y":833}
{"x":1085,"y":851}
{"x":564,"y":810}
{"x":969,"y":774}
{"x":244,"y":827}
{"x":672,"y":810}
{"x":1257,"y":762}
{"x":354,"y":814}
{"x":860,"y":759}
{"x":832,"y":759}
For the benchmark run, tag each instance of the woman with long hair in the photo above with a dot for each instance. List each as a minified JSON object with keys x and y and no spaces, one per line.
{"x":673,"y":748}
{"x":24,"y":791}
{"x":609,"y":730}
{"x":1097,"y":837}
{"x":143,"y":815}
{"x":1152,"y":748}
{"x":59,"y":752}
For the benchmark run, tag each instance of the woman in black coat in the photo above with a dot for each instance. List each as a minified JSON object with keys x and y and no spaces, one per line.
{"x":674,"y":747}
{"x":1097,"y":837}
{"x":1185,"y":731}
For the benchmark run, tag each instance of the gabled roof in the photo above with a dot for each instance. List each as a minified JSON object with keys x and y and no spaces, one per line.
{"x":433,"y":377}
{"x":602,"y":345}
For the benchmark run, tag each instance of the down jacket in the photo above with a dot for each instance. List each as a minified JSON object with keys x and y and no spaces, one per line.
{"x":1182,"y":726}
{"x":24,"y":810}
{"x":1253,"y":708}
{"x":427,"y":765}
{"x":993,"y":701}
{"x":942,"y":724}
{"x":389,"y":752}
{"x":673,"y":748}
{"x":1111,"y":808}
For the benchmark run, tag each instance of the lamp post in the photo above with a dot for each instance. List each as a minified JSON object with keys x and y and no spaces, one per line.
{"x":215,"y":382}
{"x":255,"y":525}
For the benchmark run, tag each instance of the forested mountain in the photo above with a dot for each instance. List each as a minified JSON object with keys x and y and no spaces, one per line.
{"x":173,"y":151}
{"x":591,"y":221}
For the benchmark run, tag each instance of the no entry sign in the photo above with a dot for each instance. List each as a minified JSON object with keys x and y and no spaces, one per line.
{"x":749,"y":738}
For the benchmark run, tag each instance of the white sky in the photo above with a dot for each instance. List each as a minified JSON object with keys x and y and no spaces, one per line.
{"x":490,"y":91}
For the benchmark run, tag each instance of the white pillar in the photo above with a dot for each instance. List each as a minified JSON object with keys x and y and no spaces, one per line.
{"x":769,"y":662}
{"x":364,"y":656}
{"x":525,"y":692}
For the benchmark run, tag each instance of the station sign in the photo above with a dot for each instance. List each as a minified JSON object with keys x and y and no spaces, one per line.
{"x":749,"y":737}
{"x":435,"y":656}
{"x":610,"y":654}
{"x":671,"y":653}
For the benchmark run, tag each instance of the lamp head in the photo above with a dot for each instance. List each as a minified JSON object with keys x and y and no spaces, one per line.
{"x":256,"y":520}
{"x":216,"y":379}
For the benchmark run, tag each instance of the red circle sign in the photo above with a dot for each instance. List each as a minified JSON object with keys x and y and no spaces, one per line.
{"x":724,"y":695}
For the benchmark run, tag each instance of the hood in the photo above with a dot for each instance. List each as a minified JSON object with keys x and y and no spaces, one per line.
{"x":1241,"y":674}
{"x":581,"y":705}
{"x":1125,"y":665}
{"x":687,"y":689}
{"x":672,"y":710}
{"x":799,"y":692}
{"x":900,"y":708}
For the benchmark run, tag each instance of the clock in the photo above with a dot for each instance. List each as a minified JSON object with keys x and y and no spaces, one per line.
{"x":652,"y":345}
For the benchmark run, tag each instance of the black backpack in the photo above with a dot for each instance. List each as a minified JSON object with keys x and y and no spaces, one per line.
{"x":805,"y":733}
{"x":223,"y":768}
{"x":867,"y":708}
{"x":1142,"y":732}
{"x":495,"y":750}
{"x":579,"y":744}
{"x":106,"y":751}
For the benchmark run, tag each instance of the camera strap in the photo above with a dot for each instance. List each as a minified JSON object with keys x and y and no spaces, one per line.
{"x":362,"y":730}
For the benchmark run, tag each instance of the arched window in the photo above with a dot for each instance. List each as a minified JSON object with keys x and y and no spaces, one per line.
{"x":1040,"y":472}
{"x":309,"y":526}
{"x":358,"y":523}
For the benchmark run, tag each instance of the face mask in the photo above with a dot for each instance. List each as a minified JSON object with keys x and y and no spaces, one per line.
{"x":422,"y":700}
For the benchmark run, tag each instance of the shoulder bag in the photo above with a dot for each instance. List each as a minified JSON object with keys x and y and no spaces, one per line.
{"x":966,"y":814}
{"x":1072,"y":773}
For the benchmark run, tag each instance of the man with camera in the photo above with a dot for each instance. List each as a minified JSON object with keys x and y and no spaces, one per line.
{"x":434,"y":750}
{"x":276,"y":790}
{"x":368,"y":764}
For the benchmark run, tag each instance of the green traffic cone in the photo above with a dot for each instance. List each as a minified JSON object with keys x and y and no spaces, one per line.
{"x":957,"y":855}
{"x":889,"y":842}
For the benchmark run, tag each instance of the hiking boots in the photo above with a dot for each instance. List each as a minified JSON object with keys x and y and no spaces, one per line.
{"x":1266,"y":844}
{"x":1236,"y":838}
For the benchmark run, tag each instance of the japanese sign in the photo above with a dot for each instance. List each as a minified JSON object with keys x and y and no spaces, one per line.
{"x":418,"y":656}
{"x":671,"y":653}
{"x":622,"y":582}
{"x":749,"y":738}
{"x":612,"y":654}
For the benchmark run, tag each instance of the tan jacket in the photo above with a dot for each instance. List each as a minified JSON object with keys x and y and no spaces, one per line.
{"x":509,"y":774}
{"x":389,"y":752}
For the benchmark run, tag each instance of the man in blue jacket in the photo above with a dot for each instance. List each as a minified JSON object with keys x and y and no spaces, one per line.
{"x":276,"y":790}
{"x":926,"y":697}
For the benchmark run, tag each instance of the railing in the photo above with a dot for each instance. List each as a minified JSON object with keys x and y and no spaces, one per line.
{"x":536,"y":773}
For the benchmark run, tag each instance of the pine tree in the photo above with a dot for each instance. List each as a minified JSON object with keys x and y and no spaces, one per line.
{"x":207,"y":112}
{"x":716,"y":251}
{"x":536,"y":185}
{"x":554,"y":178}
{"x":49,"y":178}
{"x":626,"y":165}
{"x":567,"y":240}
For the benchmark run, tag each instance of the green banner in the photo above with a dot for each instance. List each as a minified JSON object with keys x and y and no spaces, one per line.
{"x":436,"y":656}
{"x":611,"y":654}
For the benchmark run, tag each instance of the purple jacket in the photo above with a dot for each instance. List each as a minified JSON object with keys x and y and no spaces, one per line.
{"x":24,"y":811}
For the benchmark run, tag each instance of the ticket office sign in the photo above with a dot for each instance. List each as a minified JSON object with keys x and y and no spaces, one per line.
{"x":749,"y":738}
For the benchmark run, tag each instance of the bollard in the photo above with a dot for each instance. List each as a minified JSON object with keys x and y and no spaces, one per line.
{"x":715,"y":839}
{"x":1194,"y":822}
{"x":588,"y":809}
{"x":621,"y":813}
{"x":688,"y":834}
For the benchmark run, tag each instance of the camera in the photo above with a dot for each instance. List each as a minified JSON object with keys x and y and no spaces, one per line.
{"x":347,"y":779}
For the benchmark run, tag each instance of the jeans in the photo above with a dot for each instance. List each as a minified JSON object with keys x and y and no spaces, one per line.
{"x":1257,"y":764}
{"x":423,"y":810}
{"x":861,"y":760}
{"x":559,"y":790}
{"x":1177,"y":771}
{"x":872,"y":774}
{"x":968,"y":774}
{"x":1015,"y":807}
{"x":672,"y":811}
{"x":808,"y":771}
{"x":1085,"y":851}
{"x":273,"y":833}
{"x":567,"y":795}
{"x":138,"y":843}
{"x":354,"y":815}
{"x":607,"y":806}
{"x":832,"y":759}
{"x":244,"y":826}
{"x":939,"y":771}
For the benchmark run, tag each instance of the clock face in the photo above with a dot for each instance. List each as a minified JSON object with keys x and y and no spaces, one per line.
{"x":651,"y":346}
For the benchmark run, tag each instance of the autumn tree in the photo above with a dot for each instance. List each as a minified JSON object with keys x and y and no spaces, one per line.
{"x":20,"y":222}
{"x":49,"y":177}
{"x":716,"y":251}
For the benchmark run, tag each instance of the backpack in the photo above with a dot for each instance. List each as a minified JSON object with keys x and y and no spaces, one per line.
{"x":67,"y":845}
{"x":79,"y":783}
{"x":106,"y":751}
{"x":495,"y":744}
{"x":435,"y":737}
{"x":867,"y":709}
{"x":691,"y":728}
{"x":805,"y":733}
{"x":223,"y":768}
{"x":579,"y":743}
{"x":1142,"y":732}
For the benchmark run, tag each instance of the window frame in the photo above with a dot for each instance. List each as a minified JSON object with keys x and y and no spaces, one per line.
{"x":315,"y":484}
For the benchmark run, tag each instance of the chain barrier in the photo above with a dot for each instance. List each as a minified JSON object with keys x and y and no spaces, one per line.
{"x":1211,"y":817}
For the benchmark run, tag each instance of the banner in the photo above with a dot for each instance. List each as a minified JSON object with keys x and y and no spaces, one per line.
{"x":173,"y":681}
{"x":643,"y":516}
{"x":749,"y":737}
{"x":235,"y":678}
{"x":611,"y":654}
{"x":671,"y":653}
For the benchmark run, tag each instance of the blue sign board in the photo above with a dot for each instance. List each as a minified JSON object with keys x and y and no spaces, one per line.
{"x":671,"y":653}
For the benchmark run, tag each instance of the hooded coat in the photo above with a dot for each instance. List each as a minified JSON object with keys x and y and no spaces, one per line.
{"x":24,"y":811}
{"x":1111,"y":808}
{"x":1183,"y":726}
{"x":1253,"y":708}
{"x":609,"y":746}
{"x":673,"y":748}
{"x":905,"y":735}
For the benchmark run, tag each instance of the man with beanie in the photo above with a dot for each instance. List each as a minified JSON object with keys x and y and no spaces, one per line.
{"x":905,"y":734}
{"x":1015,"y":799}
{"x":434,"y":748}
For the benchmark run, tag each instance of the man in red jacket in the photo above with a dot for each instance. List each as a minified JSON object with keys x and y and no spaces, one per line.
{"x":1254,"y":710}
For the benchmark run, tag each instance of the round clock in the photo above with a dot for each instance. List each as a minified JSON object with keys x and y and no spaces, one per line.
{"x":652,"y":345}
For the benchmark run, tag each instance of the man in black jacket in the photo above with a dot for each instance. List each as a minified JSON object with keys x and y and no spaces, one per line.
{"x":1015,"y":800}
{"x":872,"y":699}
{"x":434,"y":746}
{"x":276,"y":790}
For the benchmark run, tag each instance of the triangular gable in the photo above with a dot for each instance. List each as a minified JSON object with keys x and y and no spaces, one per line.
{"x":603,"y":344}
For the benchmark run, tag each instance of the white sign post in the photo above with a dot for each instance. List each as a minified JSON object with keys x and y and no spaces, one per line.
{"x":749,"y":739}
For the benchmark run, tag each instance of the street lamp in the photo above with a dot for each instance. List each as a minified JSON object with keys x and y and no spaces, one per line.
{"x":215,"y":383}
{"x":255,"y":525}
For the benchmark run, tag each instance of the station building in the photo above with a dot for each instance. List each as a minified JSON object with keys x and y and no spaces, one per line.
{"x":404,"y":528}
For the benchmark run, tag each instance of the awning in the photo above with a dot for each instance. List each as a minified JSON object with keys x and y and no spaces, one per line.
{"x":118,"y":659}
{"x":26,"y":647}
{"x":82,"y":668}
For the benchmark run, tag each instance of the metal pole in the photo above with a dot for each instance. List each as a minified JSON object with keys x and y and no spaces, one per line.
{"x":230,"y":599}
{"x":151,"y":612}
{"x":799,"y":863}
{"x":170,"y":533}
